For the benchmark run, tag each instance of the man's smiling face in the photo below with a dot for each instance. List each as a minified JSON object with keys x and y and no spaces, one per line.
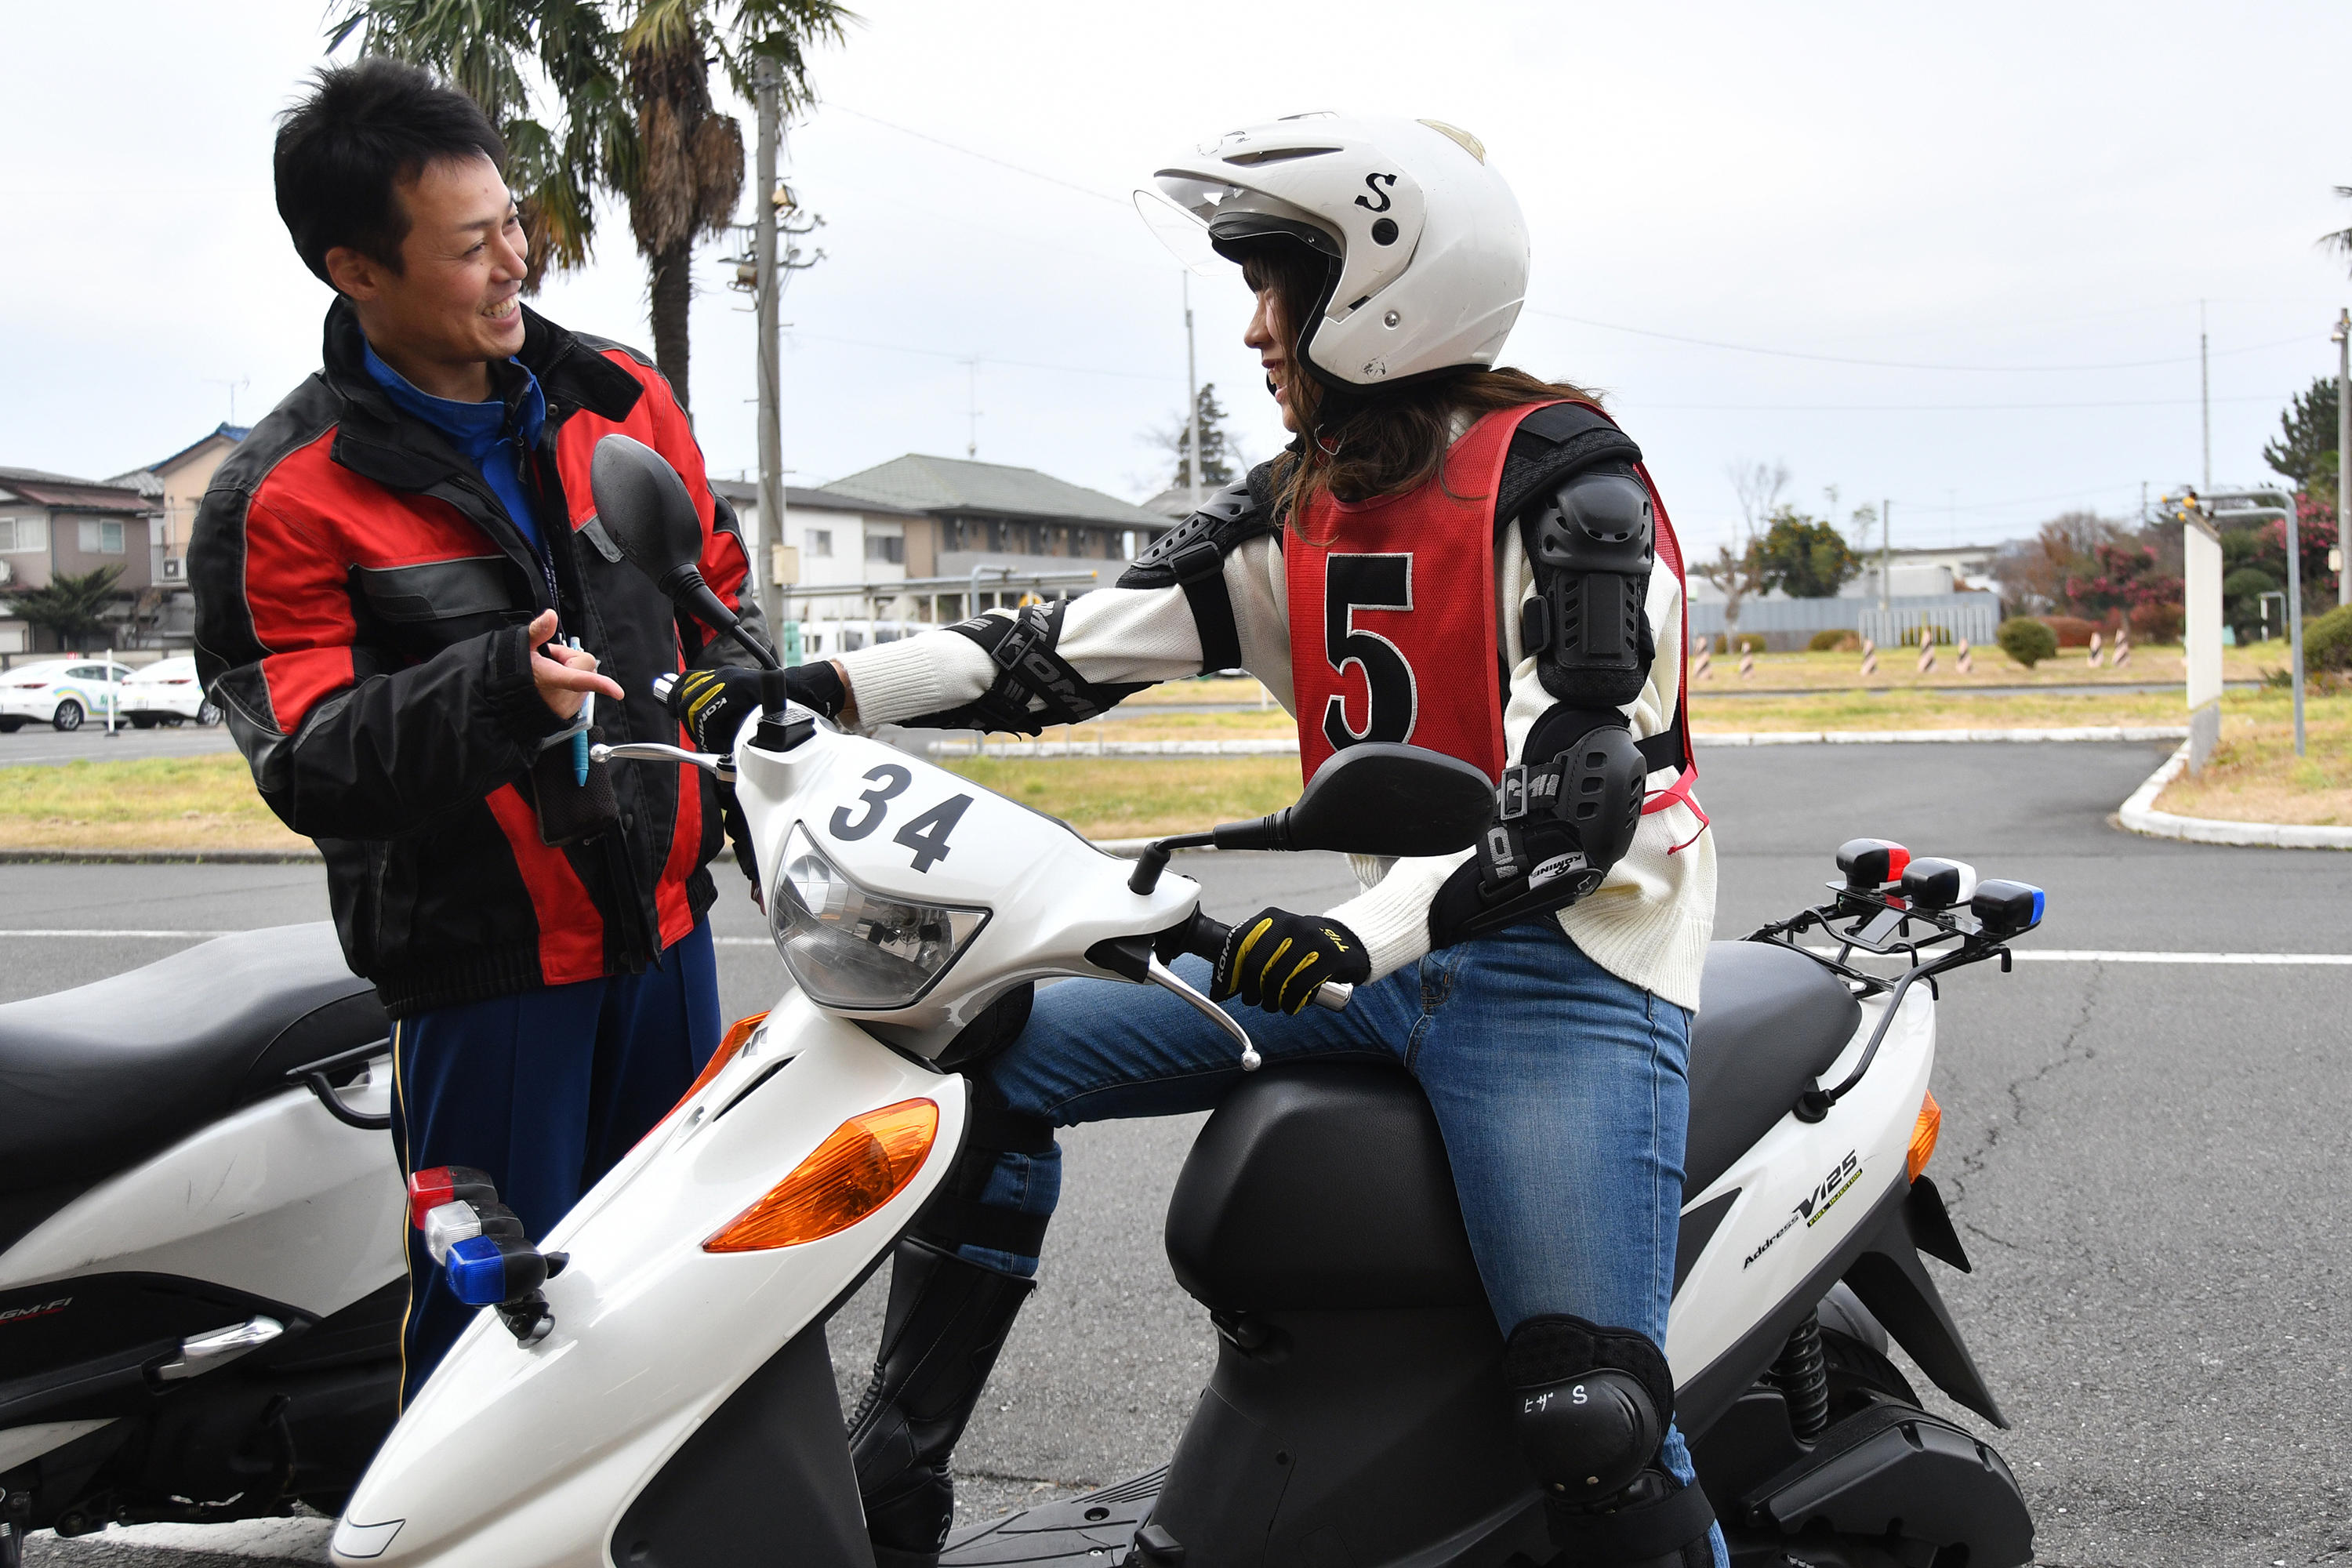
{"x":455,"y":302}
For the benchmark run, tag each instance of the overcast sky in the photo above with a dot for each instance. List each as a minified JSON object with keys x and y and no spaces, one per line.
{"x":1973,"y":240}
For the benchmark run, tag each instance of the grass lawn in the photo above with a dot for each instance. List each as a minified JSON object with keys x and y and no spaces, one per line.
{"x":154,"y":802}
{"x":1898,"y":669}
{"x":1918,"y":708}
{"x":1139,"y":797}
{"x":2254,"y":775}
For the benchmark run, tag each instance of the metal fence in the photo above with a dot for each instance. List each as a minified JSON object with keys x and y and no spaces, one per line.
{"x":1971,"y":615}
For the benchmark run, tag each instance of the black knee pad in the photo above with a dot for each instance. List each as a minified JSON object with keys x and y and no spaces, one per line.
{"x":1591,"y":1404}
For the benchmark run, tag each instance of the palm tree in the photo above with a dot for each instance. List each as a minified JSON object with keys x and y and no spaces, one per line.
{"x":73,"y":606}
{"x":633,"y":114}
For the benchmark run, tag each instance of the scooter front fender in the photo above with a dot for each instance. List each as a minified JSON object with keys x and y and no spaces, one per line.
{"x":515,"y":1456}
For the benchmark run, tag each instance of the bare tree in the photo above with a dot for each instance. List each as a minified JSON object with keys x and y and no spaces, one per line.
{"x":1737,"y":573}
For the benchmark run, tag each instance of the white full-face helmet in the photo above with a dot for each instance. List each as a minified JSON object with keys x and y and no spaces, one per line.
{"x":1427,"y":251}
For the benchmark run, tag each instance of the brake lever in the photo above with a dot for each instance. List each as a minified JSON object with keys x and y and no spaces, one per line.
{"x":1167,"y":979}
{"x":723,"y":768}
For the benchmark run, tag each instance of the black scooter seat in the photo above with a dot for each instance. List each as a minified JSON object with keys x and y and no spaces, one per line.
{"x":1326,"y":1185}
{"x":95,"y":1077}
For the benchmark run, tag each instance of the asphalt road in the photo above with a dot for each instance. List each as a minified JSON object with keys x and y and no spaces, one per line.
{"x":39,"y":745}
{"x":2146,"y":1161}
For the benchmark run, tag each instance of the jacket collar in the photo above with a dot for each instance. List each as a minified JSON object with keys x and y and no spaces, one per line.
{"x":376,"y":439}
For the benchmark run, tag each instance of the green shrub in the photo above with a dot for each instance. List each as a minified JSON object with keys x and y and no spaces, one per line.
{"x":2327,"y":641}
{"x":1834,"y":640}
{"x":2026,"y":640}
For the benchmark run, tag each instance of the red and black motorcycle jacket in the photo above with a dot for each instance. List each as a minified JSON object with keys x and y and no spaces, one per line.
{"x":361,"y":598}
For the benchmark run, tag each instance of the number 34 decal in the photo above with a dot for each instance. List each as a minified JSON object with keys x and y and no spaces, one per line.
{"x":926,"y":835}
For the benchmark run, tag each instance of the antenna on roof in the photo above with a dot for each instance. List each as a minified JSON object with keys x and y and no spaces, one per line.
{"x":972,"y":407}
{"x":232,"y":386}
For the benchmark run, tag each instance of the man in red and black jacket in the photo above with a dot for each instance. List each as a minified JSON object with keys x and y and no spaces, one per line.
{"x":404,"y":596}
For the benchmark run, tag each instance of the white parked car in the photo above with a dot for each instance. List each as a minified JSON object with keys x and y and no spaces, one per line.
{"x":60,"y":692}
{"x":166,"y":693}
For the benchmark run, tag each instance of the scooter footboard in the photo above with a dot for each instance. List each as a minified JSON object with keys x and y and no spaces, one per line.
{"x":515,"y":1456}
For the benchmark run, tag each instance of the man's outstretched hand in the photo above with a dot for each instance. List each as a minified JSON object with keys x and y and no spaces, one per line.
{"x":565,"y":675}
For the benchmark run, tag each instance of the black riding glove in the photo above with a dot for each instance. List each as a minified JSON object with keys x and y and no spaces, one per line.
{"x":713,"y":703}
{"x":1274,"y":960}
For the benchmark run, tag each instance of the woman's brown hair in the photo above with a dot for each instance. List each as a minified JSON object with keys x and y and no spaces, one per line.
{"x":1357,"y":446}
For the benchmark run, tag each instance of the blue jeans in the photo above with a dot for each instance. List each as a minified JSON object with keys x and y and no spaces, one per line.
{"x":1561,"y":1091}
{"x":546,"y":1090}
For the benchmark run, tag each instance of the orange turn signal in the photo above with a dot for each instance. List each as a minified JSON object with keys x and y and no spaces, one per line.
{"x":732,"y":1041}
{"x":1923,"y":1135}
{"x":867,"y":1161}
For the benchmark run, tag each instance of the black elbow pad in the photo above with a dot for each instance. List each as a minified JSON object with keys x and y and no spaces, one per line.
{"x":1191,"y":556}
{"x":1591,"y":544}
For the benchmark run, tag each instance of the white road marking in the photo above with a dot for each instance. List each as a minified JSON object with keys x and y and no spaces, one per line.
{"x":160,"y":934}
{"x":2121,"y":955}
{"x":2098,"y":955}
{"x":117,"y":932}
{"x":2023,"y":955}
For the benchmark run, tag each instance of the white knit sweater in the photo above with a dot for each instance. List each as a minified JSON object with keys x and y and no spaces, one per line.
{"x":1648,"y":922}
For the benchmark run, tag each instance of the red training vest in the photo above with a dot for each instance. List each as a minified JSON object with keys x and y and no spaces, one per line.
{"x":1393,"y":634}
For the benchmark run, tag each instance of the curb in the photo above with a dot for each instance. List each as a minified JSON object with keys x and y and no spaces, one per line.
{"x":160,"y":857}
{"x":1287,"y":746}
{"x":2139,"y":815}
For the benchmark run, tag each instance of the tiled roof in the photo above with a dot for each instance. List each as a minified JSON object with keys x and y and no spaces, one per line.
{"x":960,"y":485}
{"x":43,"y":488}
{"x":746,"y":492}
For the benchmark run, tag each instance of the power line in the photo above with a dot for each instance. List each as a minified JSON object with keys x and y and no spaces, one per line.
{"x":1926,"y":407}
{"x":983,"y":157}
{"x":981,"y":359}
{"x":1890,"y":363}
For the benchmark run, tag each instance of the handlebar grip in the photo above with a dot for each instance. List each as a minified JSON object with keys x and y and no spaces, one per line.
{"x":1205,"y":938}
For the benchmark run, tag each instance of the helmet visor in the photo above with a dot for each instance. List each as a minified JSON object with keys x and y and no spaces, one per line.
{"x":1185,"y":236}
{"x":1202,"y":220}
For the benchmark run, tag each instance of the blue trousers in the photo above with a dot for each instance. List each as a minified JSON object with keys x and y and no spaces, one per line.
{"x":1561,"y":1091}
{"x":545,"y":1090}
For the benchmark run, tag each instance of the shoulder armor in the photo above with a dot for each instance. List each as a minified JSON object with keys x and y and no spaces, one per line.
{"x":1555,"y":444}
{"x":1600,"y":518}
{"x":1197,"y":547}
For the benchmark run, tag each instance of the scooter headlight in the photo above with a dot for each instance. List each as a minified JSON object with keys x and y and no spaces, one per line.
{"x":849,"y":947}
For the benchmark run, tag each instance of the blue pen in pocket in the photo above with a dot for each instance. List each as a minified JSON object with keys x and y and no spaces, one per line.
{"x":579,"y":739}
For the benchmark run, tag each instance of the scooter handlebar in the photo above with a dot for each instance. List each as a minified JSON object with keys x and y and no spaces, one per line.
{"x":1206,"y":936}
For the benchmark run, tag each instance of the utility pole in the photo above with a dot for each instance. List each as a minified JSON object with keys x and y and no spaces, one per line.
{"x":972,"y":407}
{"x":2205,"y":393}
{"x":1191,"y":403}
{"x":1886,"y":561}
{"x":772,"y":435}
{"x":2342,"y":453}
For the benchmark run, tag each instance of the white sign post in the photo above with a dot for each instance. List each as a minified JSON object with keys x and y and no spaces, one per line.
{"x":2201,"y":548}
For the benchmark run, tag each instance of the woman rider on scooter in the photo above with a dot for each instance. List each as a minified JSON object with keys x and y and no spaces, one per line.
{"x":1449,"y":554}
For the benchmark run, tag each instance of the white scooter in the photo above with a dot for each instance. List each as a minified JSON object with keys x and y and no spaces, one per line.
{"x":201,"y":1278}
{"x":652,"y":1386}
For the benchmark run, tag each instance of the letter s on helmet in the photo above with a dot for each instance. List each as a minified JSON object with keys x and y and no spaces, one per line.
{"x":1427,"y":251}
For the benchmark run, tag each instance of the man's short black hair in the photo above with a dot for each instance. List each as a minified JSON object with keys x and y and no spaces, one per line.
{"x":364,"y":128}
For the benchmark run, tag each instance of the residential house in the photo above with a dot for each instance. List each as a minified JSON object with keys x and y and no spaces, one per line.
{"x":984,"y":516}
{"x":829,"y":538}
{"x":917,"y":518}
{"x":175,"y":487}
{"x":54,"y":523}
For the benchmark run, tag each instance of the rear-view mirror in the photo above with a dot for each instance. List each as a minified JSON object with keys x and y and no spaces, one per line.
{"x":643,"y":504}
{"x":1378,"y":798}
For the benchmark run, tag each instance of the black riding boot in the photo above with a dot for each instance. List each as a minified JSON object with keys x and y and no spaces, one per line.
{"x":1656,"y":1522}
{"x":947,"y":1321}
